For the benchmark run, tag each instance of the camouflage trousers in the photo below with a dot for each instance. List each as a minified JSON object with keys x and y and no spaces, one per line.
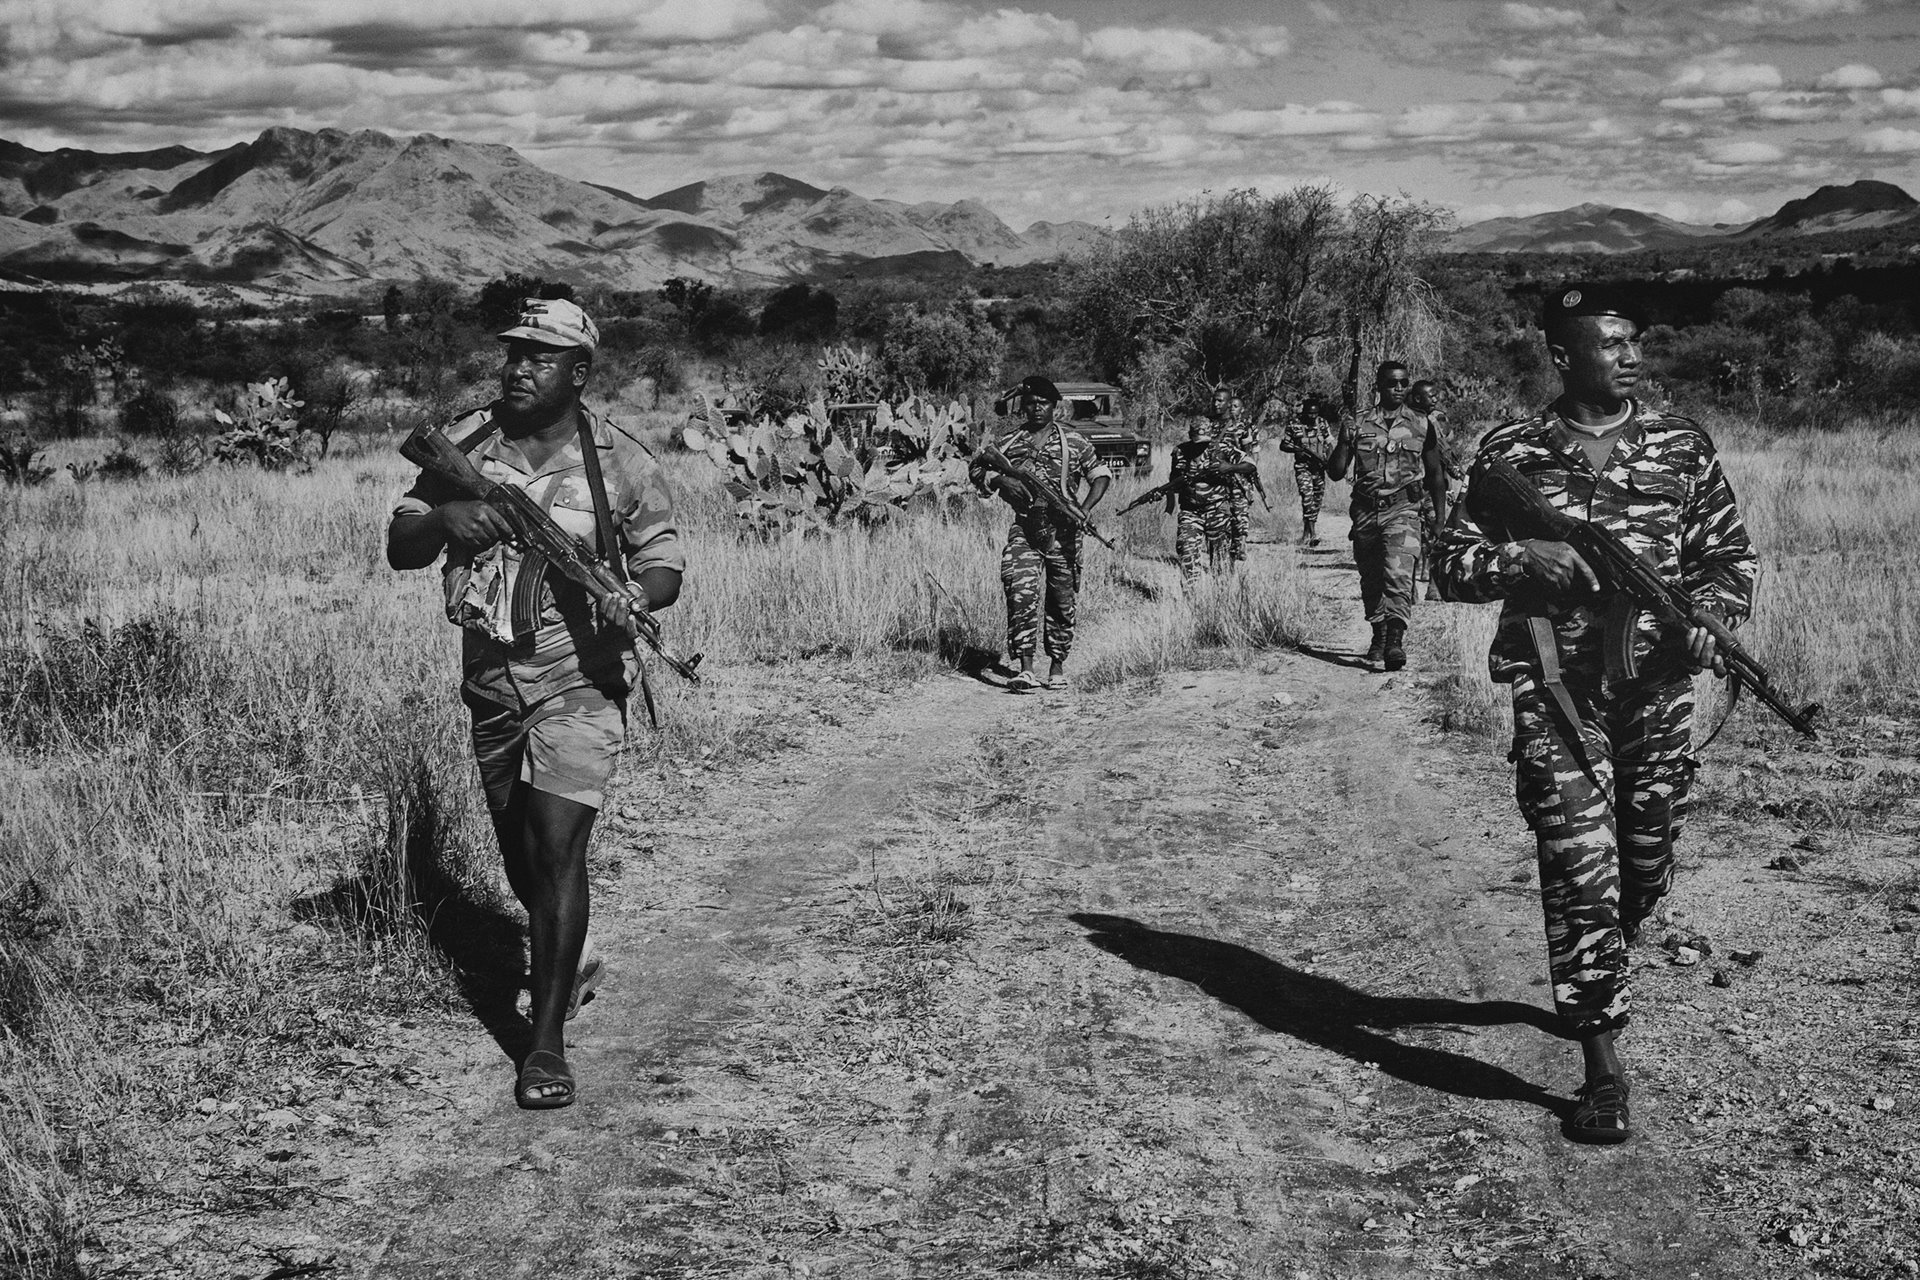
{"x":1605,"y":821}
{"x":1040,"y":571}
{"x":1239,"y":522}
{"x":1199,"y":531}
{"x":1312,"y":484}
{"x":1386,"y":547}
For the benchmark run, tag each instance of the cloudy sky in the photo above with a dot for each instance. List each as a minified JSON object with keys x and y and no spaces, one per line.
{"x":1719,"y":110}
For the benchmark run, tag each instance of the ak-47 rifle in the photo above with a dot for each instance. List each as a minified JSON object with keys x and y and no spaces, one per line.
{"x":1063,"y":506}
{"x":539,"y":538}
{"x":1162,"y":490}
{"x":1508,"y":496}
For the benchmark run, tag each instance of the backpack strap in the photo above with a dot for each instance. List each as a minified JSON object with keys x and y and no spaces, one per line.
{"x":597,"y":486}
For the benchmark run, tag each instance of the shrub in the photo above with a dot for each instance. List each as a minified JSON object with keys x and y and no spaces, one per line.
{"x":150,"y":411}
{"x":265,"y":430}
{"x":20,"y":461}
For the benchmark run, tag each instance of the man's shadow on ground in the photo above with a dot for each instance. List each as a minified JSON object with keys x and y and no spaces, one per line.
{"x":1330,"y":1014}
{"x":1335,"y":657}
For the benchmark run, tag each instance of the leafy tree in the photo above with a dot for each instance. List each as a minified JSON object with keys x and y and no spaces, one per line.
{"x":799,"y":311}
{"x":944,"y":352}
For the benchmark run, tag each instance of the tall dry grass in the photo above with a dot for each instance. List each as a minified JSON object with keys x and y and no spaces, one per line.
{"x":234,"y":785}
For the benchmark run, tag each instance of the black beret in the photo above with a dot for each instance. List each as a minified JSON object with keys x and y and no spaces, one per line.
{"x":1039,"y":388}
{"x":1571,"y":300}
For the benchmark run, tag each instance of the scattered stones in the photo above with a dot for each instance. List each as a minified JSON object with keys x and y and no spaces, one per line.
{"x":1881,"y":1102}
{"x":1685,"y":956}
{"x":1747,"y":958}
{"x":1785,"y":862}
{"x":1721,"y":978}
{"x":1811,"y":843}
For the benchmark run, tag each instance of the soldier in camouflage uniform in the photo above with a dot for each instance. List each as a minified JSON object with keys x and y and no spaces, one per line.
{"x":1040,"y":567}
{"x":1309,"y":439}
{"x":1395,"y":456}
{"x":1601,"y":752}
{"x":1234,"y":425}
{"x":1204,"y":474}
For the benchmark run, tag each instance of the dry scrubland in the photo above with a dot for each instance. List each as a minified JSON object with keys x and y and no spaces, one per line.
{"x":234,"y":772}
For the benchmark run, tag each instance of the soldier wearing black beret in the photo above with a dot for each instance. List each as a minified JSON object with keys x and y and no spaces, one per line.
{"x":1040,"y":567}
{"x":1602,"y":693}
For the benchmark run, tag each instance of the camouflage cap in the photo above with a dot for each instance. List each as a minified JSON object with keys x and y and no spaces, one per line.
{"x":1571,"y":301}
{"x":553,"y":322}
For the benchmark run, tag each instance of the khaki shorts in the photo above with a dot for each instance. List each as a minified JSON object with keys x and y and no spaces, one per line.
{"x":565,"y":745}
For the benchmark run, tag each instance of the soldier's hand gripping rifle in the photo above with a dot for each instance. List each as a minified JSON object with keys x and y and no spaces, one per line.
{"x":1162,"y":490}
{"x":1510,"y":498}
{"x":1063,"y":506}
{"x":536,"y":535}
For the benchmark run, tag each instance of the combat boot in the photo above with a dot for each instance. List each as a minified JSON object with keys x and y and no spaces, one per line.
{"x":1377,"y":651}
{"x":1393,"y":652}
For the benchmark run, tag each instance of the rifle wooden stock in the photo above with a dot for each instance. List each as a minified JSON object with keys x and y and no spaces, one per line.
{"x":1065,"y":507}
{"x":1501,"y":490}
{"x":537,"y":535}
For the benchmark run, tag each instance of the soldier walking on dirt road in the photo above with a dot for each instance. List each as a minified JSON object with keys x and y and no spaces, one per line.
{"x":1203,"y":477}
{"x":1601,"y":745}
{"x":546,"y":676}
{"x":1040,"y":567}
{"x":1309,"y":438}
{"x":1395,"y":455}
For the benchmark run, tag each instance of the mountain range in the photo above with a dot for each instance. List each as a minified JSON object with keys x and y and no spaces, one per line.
{"x":330,"y":209}
{"x":1866,"y":205}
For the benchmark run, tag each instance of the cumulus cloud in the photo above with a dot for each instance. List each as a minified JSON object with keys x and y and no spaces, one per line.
{"x":1531,"y":17}
{"x":1743,"y":152}
{"x":1293,"y":120}
{"x":1888,"y":142}
{"x":1723,"y":75}
{"x":1855,"y":75}
{"x":1174,"y":49}
{"x":1781,"y":13}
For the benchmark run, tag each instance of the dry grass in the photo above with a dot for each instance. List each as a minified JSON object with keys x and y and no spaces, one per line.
{"x":236,"y":787}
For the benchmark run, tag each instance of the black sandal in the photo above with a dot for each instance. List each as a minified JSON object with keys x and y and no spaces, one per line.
{"x":1600,"y":1112}
{"x":558,"y":1079}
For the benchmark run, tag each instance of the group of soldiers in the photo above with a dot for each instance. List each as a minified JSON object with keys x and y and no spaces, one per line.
{"x":1602,"y":695}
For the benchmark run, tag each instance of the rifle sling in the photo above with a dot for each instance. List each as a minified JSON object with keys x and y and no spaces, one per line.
{"x":1547,"y":647}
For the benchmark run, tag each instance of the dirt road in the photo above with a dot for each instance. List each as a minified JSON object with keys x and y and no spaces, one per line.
{"x":1240,"y":974}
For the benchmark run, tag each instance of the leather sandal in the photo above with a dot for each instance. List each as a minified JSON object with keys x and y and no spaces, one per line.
{"x":555,"y":1081}
{"x":1600,"y":1112}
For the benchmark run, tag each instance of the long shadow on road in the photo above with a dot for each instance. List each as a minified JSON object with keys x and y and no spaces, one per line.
{"x":1329,"y":1013}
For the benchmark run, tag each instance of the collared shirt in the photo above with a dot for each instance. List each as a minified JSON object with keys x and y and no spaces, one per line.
{"x":1388,"y":456}
{"x":479,"y":590}
{"x":1662,"y":492}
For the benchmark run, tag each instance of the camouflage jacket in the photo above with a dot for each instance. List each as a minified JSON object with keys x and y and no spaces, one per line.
{"x":1389,"y":461}
{"x":1662,"y":492}
{"x":1309,"y":443}
{"x":1065,"y":459}
{"x":1193,"y":456}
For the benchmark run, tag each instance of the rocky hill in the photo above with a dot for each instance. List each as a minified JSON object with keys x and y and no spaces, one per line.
{"x":1596,"y":228}
{"x":329,"y":209}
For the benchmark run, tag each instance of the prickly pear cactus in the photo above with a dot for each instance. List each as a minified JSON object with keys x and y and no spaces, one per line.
{"x":850,"y":375}
{"x":798,"y":474}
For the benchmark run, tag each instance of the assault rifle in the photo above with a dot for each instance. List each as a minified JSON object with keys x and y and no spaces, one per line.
{"x":1063,"y":506}
{"x":1162,"y":490}
{"x":1511,"y":498}
{"x":541,"y":540}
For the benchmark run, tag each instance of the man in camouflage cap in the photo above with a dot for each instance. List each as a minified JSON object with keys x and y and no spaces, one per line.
{"x":1395,"y":456}
{"x":1601,"y":754}
{"x":546,"y":674}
